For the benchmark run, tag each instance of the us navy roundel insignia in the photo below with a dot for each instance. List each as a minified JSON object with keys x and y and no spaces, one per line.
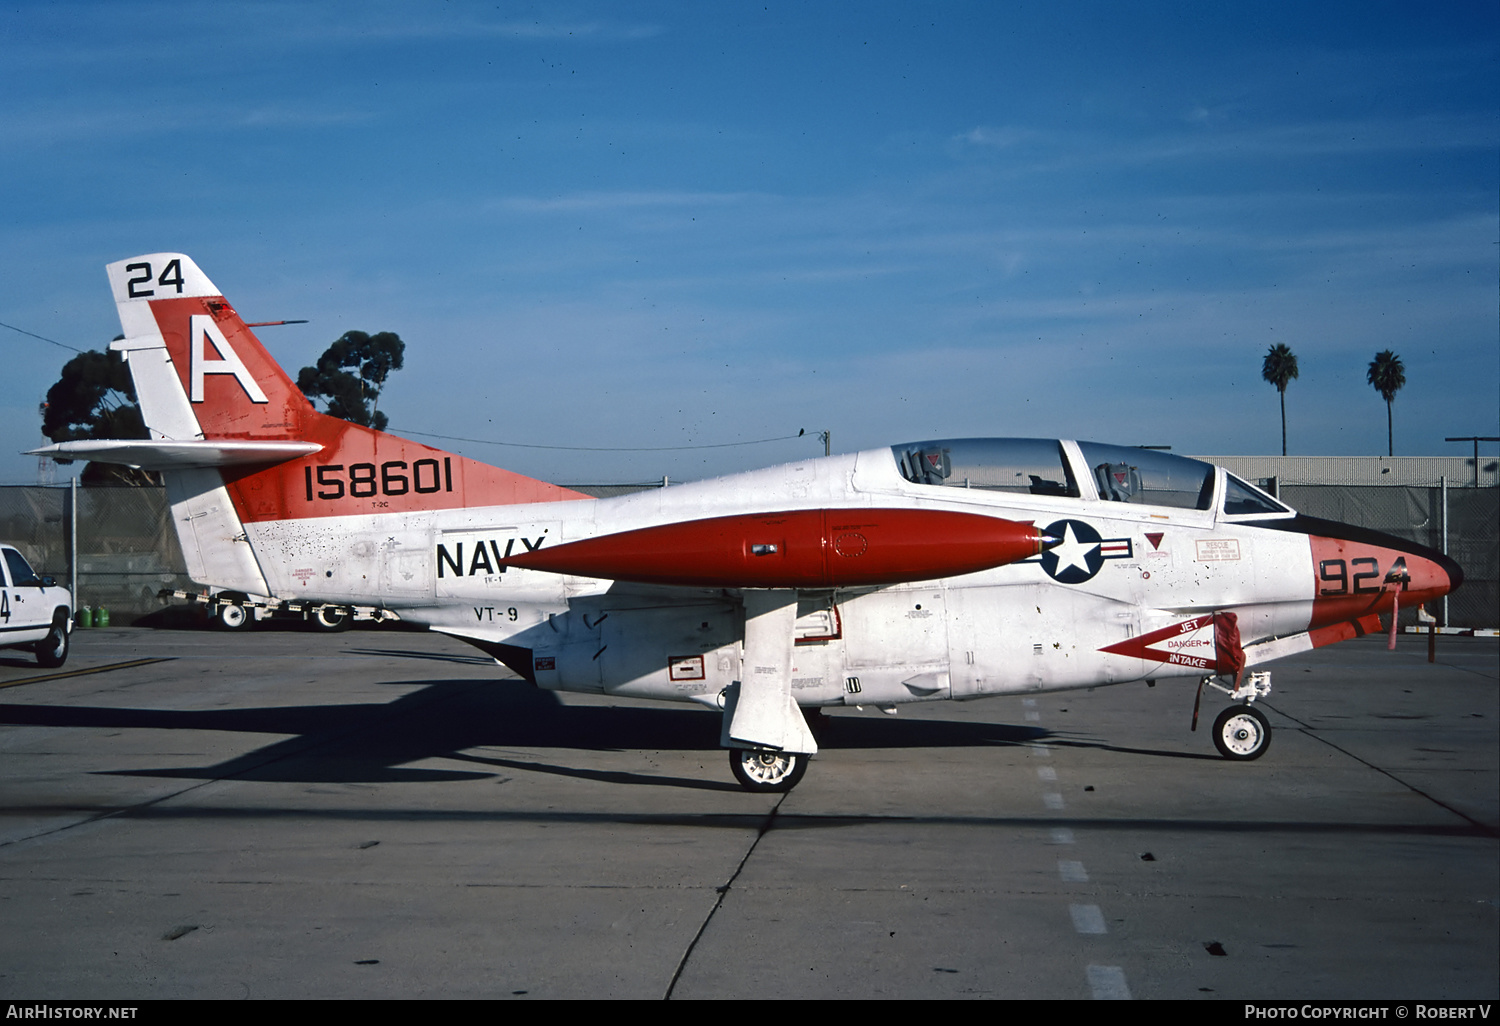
{"x":1081,"y":553}
{"x":1078,"y":557}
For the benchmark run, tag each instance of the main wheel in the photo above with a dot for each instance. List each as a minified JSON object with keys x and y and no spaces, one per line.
{"x":233,"y":617}
{"x":52,"y":651}
{"x":331,"y":618}
{"x":767,"y":771}
{"x":1241,"y":732}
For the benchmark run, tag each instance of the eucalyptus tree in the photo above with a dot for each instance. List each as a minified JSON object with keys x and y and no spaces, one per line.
{"x":94,"y":397}
{"x":354,"y":396}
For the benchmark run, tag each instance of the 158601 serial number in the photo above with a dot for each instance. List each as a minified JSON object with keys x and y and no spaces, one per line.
{"x":366,"y":480}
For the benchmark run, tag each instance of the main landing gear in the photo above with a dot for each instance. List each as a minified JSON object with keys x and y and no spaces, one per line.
{"x":1241,"y":732}
{"x":767,"y":771}
{"x":768,"y":739}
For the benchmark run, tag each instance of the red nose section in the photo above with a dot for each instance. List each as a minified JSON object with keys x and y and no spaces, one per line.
{"x":1357,"y":577}
{"x":818,"y":548}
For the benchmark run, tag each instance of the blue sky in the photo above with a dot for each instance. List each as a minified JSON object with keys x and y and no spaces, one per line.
{"x":649,"y":225}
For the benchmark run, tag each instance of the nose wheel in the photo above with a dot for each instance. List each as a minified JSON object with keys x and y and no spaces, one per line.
{"x":1242,"y":733}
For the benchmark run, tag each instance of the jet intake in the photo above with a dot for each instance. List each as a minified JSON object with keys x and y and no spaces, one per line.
{"x":816,"y":548}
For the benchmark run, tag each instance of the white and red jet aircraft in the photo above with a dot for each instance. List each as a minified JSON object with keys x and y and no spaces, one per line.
{"x":939,"y":569}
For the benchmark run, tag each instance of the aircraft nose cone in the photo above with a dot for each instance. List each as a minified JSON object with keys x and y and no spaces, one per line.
{"x":1434,"y":576}
{"x":1356,"y":571}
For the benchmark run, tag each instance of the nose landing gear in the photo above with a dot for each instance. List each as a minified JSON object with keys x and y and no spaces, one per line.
{"x":1241,"y":732}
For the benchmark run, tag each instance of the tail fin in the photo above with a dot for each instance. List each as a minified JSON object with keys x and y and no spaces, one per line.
{"x":241,"y":445}
{"x":201,"y":373}
{"x":225,"y":385}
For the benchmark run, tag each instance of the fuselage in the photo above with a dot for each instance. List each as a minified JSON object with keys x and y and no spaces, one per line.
{"x":1159,"y":547}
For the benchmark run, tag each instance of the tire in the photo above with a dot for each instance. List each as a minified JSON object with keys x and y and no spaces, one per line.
{"x":233,"y":617}
{"x":1242,"y":733}
{"x":765,"y":771}
{"x":52,"y":651}
{"x":330,"y":619}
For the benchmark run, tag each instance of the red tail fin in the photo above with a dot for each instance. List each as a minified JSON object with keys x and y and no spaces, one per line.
{"x":236,"y":390}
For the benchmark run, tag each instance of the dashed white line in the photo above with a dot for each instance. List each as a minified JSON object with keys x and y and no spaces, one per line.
{"x":1107,"y":983}
{"x":1072,"y":871}
{"x":1087,"y":919}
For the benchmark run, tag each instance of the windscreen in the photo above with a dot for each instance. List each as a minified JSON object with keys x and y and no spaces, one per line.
{"x":1241,"y":499}
{"x":21,"y":573}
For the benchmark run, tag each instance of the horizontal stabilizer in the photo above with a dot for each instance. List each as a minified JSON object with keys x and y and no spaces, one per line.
{"x":177,"y":455}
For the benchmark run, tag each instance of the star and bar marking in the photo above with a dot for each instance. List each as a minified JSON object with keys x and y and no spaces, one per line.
{"x":1081,"y":553}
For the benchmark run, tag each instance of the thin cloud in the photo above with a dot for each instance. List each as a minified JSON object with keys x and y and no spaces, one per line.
{"x":1208,"y":138}
{"x":1002,"y":137}
{"x":40,"y":126}
{"x":622,"y":200}
{"x":256,"y":27}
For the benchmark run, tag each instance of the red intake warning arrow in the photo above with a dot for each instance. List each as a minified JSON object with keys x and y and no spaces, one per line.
{"x":1209,"y":643}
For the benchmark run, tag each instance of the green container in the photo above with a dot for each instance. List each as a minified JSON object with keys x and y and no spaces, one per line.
{"x":101,"y":617}
{"x":85,"y":617}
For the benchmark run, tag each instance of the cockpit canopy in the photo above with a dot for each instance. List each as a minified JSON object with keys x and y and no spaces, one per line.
{"x":1027,"y":466}
{"x":1040,"y":466}
{"x":1149,"y":477}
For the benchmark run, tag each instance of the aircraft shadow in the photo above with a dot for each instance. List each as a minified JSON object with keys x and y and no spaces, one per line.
{"x":451,"y":719}
{"x":457,"y":720}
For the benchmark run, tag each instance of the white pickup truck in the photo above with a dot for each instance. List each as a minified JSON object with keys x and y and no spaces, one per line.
{"x":34,"y":612}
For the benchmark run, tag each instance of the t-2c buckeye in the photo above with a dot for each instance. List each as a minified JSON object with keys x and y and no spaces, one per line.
{"x":942,"y":569}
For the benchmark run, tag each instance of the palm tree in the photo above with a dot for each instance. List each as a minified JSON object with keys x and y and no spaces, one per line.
{"x":1280,"y":368}
{"x":1386,"y":375}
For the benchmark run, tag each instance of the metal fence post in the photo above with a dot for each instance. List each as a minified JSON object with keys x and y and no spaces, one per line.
{"x":1443,"y":523}
{"x":73,"y":539}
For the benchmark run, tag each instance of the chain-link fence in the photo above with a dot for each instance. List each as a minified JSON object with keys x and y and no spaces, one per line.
{"x":127,"y":551}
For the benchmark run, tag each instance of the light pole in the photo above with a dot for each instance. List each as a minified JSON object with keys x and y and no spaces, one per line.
{"x":1476,"y":439}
